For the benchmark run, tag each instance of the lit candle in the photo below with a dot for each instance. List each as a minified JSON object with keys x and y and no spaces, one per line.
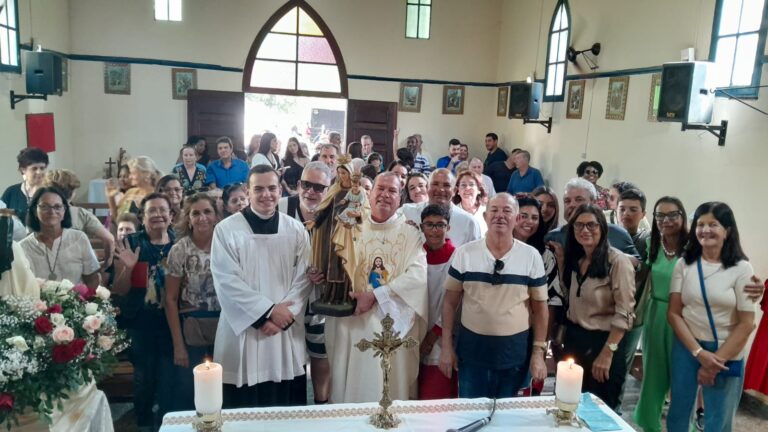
{"x":568,"y":382}
{"x":208,"y":387}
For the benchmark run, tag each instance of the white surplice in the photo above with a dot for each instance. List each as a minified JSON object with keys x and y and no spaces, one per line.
{"x":251,"y":272}
{"x":402,"y":292}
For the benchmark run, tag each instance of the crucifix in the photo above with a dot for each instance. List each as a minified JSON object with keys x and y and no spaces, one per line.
{"x":384,"y":345}
{"x":109,"y":164}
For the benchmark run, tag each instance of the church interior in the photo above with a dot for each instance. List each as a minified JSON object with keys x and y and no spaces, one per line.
{"x":601,"y":104}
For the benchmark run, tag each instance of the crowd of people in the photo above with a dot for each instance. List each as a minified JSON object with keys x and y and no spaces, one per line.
{"x":227,"y":258}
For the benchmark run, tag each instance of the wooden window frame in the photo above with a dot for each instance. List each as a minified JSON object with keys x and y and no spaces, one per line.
{"x":418,"y":5}
{"x":6,"y":28}
{"x":552,"y":32}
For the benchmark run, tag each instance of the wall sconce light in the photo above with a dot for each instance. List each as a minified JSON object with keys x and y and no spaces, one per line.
{"x":591,"y":60}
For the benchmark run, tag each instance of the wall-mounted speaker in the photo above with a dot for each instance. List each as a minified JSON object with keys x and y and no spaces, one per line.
{"x":525,"y":100}
{"x":43,"y":72}
{"x":685,"y":92}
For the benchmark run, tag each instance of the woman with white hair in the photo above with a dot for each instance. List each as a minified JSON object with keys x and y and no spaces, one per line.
{"x":144,"y":174}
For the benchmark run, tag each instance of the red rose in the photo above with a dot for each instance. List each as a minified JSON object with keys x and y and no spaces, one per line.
{"x":6,"y":402}
{"x":67,"y":352}
{"x":55,"y":309}
{"x":84,"y":292}
{"x":43,"y":325}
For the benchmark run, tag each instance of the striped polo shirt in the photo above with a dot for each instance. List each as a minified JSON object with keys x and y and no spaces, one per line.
{"x":495,"y":302}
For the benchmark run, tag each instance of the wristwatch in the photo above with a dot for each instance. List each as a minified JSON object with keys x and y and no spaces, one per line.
{"x":612,"y":346}
{"x":540,"y":344}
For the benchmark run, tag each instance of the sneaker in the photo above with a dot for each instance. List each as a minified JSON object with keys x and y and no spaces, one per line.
{"x":699,"y":423}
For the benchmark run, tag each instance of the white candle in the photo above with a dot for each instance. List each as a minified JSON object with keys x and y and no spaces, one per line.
{"x":568,"y":381}
{"x":208,"y":387}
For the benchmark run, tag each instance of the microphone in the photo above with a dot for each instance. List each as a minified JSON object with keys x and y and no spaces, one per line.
{"x":475,"y":425}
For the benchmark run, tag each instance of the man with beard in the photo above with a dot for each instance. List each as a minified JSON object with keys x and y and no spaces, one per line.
{"x":389,"y":277}
{"x":312,"y":188}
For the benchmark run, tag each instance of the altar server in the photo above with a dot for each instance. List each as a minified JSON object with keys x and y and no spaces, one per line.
{"x":389,"y":277}
{"x":259,"y":261}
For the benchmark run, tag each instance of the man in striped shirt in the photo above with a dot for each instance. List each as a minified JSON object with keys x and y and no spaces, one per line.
{"x":502,"y":288}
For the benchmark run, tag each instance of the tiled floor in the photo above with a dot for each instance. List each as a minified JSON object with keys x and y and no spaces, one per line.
{"x":747,"y":419}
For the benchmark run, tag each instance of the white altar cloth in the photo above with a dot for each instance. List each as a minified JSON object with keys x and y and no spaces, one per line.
{"x":518,"y":414}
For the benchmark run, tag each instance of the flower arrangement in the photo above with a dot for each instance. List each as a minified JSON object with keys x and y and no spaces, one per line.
{"x":54,"y":345}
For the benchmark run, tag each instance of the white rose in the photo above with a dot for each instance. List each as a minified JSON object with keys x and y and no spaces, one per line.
{"x":63,"y":334}
{"x":92,"y":323}
{"x":105,"y":342}
{"x":66,"y":285}
{"x":18,"y":342}
{"x":49,"y":286}
{"x":38,"y":343}
{"x":91,"y":308}
{"x":58,"y":319}
{"x":103,"y":293}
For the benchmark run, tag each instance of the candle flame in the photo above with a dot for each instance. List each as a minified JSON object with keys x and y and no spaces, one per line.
{"x":207,"y":364}
{"x":570,"y":363}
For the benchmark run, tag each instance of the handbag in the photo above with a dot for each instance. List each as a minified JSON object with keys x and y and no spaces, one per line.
{"x":735,"y":367}
{"x":199,"y":332}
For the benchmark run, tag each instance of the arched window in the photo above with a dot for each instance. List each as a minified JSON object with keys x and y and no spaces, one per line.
{"x":559,"y":40}
{"x":295,"y":54}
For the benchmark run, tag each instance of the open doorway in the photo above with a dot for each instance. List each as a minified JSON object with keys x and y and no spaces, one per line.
{"x":309,"y":119}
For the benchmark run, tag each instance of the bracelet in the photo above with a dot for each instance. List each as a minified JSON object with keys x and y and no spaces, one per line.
{"x":696,"y":352}
{"x":540,"y":344}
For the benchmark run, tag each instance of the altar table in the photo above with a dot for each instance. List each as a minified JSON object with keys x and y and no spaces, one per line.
{"x":518,"y":414}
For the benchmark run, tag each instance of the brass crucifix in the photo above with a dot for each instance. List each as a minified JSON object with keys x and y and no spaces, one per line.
{"x":384,"y":345}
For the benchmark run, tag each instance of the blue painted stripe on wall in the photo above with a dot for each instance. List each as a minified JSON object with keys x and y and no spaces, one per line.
{"x":215,"y":67}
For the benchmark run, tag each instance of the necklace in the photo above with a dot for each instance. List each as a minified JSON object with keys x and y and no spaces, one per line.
{"x":666,"y":251}
{"x":51,"y":268}
{"x":25,"y":190}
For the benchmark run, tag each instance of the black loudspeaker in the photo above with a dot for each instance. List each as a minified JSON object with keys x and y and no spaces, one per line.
{"x":525,"y":100}
{"x":43,"y":71}
{"x":685,"y":92}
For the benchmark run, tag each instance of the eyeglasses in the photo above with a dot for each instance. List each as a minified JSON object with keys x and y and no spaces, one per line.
{"x":672,"y":216}
{"x":498,"y":266}
{"x":590,"y":171}
{"x":434,"y":226}
{"x":174,"y":190}
{"x":317,"y":187}
{"x":45,"y":208}
{"x":467,"y":185}
{"x":591,"y":226}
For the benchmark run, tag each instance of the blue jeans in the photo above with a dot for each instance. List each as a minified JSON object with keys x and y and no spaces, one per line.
{"x":720,"y":400}
{"x":477,"y":381}
{"x":492,"y":366}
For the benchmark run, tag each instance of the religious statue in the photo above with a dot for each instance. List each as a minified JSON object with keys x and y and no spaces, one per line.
{"x":384,"y":345}
{"x":333,"y":241}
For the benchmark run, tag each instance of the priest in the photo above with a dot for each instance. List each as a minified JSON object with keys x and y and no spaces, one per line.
{"x":259,"y":261}
{"x":389,"y":277}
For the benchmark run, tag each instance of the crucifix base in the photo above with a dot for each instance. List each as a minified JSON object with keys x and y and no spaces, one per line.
{"x":383,"y":419}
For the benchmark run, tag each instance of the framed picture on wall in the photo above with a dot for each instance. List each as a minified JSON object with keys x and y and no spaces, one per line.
{"x":182,"y":81}
{"x":453,"y":99}
{"x":653,"y":100}
{"x":575,"y":99}
{"x":117,"y":78}
{"x":616,"y":105}
{"x":410,"y":97}
{"x":501,"y":102}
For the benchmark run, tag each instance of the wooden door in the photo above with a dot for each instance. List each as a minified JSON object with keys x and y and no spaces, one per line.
{"x":213,"y":114}
{"x":374,"y":118}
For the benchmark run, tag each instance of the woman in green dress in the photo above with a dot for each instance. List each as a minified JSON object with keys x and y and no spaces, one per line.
{"x":668,"y":237}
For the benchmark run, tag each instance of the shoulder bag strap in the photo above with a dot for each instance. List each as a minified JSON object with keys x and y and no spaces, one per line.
{"x":706,"y":302}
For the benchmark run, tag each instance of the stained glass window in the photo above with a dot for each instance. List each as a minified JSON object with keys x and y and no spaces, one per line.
{"x":296,"y":55}
{"x":9,"y":36}
{"x":738,"y":41}
{"x":556,"y":54}
{"x":418,"y":15}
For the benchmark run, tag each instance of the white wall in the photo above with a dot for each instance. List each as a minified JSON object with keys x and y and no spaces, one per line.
{"x":48,"y":24}
{"x":370,"y":34}
{"x":660,"y":158}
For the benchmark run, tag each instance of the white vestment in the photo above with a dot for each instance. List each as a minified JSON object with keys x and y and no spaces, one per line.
{"x":464,"y":227}
{"x":251,"y":273}
{"x":402,"y":292}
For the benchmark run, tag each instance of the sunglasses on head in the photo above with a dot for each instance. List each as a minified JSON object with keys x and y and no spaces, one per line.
{"x":317,"y":187}
{"x":498,"y":266}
